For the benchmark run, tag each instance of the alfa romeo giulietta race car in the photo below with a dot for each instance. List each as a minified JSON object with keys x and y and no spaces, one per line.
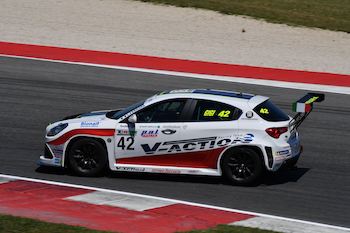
{"x":199,"y":132}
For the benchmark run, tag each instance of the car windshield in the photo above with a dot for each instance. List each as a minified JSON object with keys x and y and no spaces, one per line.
{"x":124,"y":111}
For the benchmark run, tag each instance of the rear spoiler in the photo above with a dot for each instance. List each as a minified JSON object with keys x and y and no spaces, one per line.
{"x":304,"y":107}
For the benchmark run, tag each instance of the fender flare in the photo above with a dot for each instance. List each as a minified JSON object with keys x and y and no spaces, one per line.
{"x":257,"y":147}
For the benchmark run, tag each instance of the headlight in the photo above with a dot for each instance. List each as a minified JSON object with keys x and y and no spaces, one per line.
{"x":55,"y":130}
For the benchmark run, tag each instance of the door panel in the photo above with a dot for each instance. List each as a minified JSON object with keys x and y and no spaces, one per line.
{"x":209,"y":128}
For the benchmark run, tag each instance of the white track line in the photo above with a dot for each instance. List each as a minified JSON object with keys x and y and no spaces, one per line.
{"x":271,"y":83}
{"x":177,"y":201}
{"x":279,"y":225}
{"x":120,"y":200}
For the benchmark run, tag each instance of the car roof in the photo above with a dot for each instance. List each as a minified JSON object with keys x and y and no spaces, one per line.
{"x":211,"y":92}
{"x":230,"y":97}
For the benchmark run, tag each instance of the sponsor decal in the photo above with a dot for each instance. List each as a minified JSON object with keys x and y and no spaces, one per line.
{"x":187,"y":145}
{"x":165,"y":170}
{"x":168,"y":131}
{"x":248,"y":138}
{"x":171,"y":127}
{"x":87,"y":124}
{"x":57,"y":151}
{"x":149,"y":133}
{"x":283,"y":152}
{"x":130,"y":169}
{"x":126,"y":132}
{"x":195,"y":144}
{"x":245,"y":139}
{"x":57,"y":161}
{"x":149,"y":126}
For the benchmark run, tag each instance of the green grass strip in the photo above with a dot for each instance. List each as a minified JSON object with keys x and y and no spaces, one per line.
{"x":11,"y":224}
{"x":230,"y":229}
{"x":325,"y":14}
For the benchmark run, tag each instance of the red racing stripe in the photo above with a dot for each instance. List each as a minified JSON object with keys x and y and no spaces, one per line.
{"x":200,"y":213}
{"x":198,"y":159}
{"x":47,"y":203}
{"x":169,"y":64}
{"x":95,"y":132}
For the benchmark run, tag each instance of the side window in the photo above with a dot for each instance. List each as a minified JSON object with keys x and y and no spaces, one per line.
{"x":168,"y":111}
{"x":207,"y":110}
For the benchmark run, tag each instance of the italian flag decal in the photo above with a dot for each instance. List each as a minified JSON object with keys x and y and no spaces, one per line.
{"x":305,"y":103}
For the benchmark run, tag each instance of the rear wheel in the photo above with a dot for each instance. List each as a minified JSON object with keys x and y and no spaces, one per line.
{"x":242,"y":166}
{"x":87,"y":157}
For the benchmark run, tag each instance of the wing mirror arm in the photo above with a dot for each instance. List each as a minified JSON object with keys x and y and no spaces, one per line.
{"x":132,"y":119}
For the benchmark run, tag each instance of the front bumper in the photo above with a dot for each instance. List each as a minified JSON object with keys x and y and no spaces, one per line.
{"x":54,"y":162}
{"x":52,"y":156}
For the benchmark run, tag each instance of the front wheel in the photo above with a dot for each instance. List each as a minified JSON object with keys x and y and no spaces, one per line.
{"x":87,"y":157}
{"x":242,"y":166}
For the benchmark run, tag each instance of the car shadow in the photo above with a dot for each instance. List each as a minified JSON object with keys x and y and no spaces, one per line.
{"x":52,"y":170}
{"x":166,"y":177}
{"x":284,"y":176}
{"x":273,"y":178}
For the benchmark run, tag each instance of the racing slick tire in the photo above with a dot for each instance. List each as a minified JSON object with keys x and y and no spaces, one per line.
{"x":242,"y":166}
{"x":87,"y":157}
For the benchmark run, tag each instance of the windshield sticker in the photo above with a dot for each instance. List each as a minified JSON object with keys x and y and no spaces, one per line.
{"x":131,"y":112}
{"x":209,"y":113}
{"x":264,"y":111}
{"x":224,"y":113}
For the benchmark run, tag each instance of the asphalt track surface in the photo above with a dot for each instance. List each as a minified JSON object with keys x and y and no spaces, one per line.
{"x":34,"y":93}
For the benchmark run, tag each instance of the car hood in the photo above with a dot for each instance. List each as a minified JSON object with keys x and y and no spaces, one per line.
{"x":93,"y":120}
{"x":87,"y":115}
{"x":87,"y":119}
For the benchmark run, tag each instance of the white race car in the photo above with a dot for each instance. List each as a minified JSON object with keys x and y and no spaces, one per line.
{"x":199,"y":132}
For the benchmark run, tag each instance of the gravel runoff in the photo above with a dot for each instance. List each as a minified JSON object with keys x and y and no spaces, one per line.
{"x":142,"y":28}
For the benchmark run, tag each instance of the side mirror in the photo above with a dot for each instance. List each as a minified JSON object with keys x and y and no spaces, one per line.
{"x":132,"y":119}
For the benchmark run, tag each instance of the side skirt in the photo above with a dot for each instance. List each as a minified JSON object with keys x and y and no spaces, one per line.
{"x":165,"y":169}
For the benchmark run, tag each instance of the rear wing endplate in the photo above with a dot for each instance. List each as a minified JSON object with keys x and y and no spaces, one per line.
{"x":304,"y":107}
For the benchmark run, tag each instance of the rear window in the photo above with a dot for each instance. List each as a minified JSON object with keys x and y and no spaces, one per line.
{"x":270,"y":112}
{"x":207,"y":110}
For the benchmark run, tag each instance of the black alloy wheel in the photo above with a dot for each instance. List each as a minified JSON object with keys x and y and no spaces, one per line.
{"x":242,"y":166}
{"x":87,"y":157}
